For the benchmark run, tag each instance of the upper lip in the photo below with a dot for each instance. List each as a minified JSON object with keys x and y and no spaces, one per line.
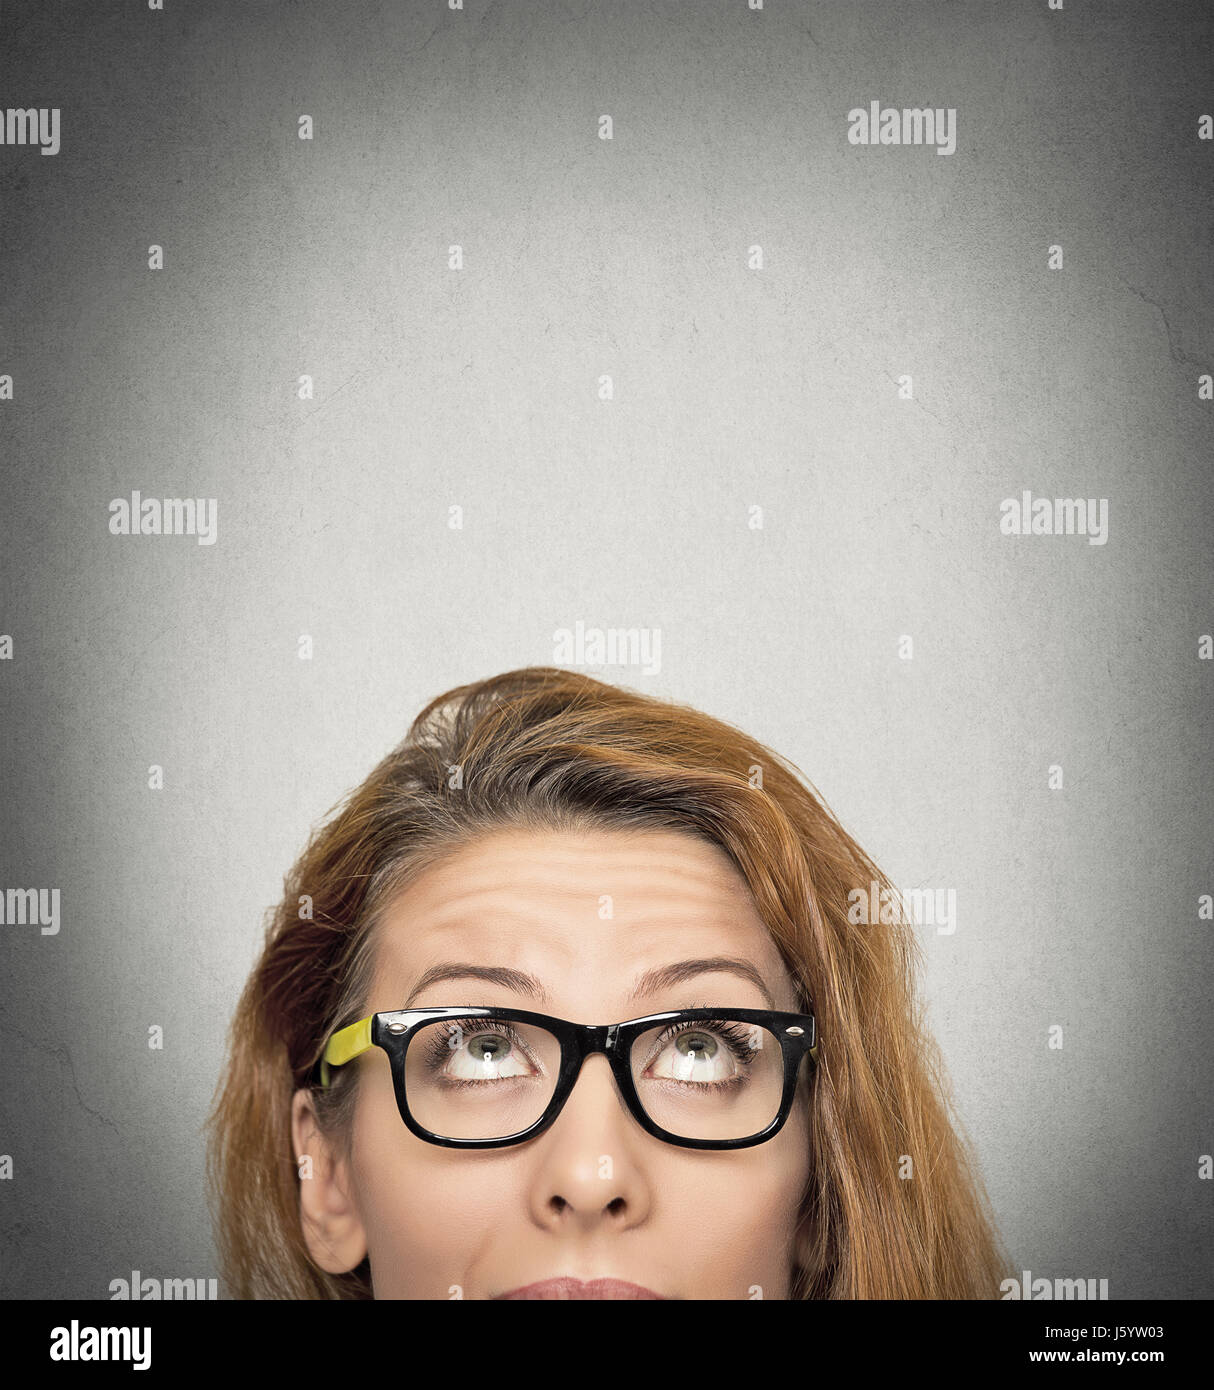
{"x":568,"y":1287}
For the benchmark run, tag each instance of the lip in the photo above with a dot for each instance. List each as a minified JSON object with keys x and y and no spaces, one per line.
{"x":570,"y":1288}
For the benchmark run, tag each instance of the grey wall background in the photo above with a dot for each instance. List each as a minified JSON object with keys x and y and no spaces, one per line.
{"x":734,"y":388}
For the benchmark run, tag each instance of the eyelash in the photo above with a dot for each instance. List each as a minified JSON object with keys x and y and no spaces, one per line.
{"x":437,"y":1049}
{"x":733,"y":1035}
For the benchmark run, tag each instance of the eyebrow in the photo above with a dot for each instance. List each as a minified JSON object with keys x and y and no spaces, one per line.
{"x":663,"y":977}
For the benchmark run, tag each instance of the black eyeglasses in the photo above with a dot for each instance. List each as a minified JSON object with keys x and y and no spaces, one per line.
{"x":473,"y":1077}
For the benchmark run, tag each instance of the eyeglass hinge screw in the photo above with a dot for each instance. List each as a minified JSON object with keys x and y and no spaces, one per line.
{"x":397,"y":1027}
{"x":796,"y":1032}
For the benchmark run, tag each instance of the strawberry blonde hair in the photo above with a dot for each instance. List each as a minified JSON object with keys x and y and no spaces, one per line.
{"x":542,"y":748}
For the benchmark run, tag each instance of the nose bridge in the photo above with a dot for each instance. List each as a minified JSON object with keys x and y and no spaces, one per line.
{"x":597,"y":1038}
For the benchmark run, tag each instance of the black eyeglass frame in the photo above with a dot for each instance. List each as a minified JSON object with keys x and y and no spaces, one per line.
{"x":394,"y":1030}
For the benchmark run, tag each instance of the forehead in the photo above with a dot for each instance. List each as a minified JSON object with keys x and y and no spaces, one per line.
{"x":586,"y":913}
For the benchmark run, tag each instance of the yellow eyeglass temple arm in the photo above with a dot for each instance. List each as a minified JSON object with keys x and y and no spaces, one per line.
{"x":344,"y":1046}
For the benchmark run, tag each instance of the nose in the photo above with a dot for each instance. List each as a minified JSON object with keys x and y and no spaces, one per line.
{"x":589,"y":1164}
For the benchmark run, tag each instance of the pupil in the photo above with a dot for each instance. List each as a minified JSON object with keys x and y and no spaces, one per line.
{"x":697,"y":1043}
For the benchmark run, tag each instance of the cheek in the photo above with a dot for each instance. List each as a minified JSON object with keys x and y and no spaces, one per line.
{"x":734,"y":1225}
{"x":427,"y":1212}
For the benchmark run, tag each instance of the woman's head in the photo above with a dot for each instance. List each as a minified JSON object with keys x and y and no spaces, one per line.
{"x":575,"y":849}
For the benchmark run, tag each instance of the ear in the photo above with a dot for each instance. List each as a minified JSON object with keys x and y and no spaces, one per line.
{"x":328,"y":1215}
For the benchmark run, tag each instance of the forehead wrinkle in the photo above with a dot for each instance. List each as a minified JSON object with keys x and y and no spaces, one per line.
{"x":665,"y":977}
{"x":469,"y":913}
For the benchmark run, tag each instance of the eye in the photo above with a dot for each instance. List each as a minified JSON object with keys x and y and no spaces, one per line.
{"x":694,"y":1054}
{"x":488,"y":1056}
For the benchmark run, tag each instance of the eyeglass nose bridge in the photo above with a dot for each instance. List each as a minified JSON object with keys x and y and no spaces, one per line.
{"x":592,"y":1039}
